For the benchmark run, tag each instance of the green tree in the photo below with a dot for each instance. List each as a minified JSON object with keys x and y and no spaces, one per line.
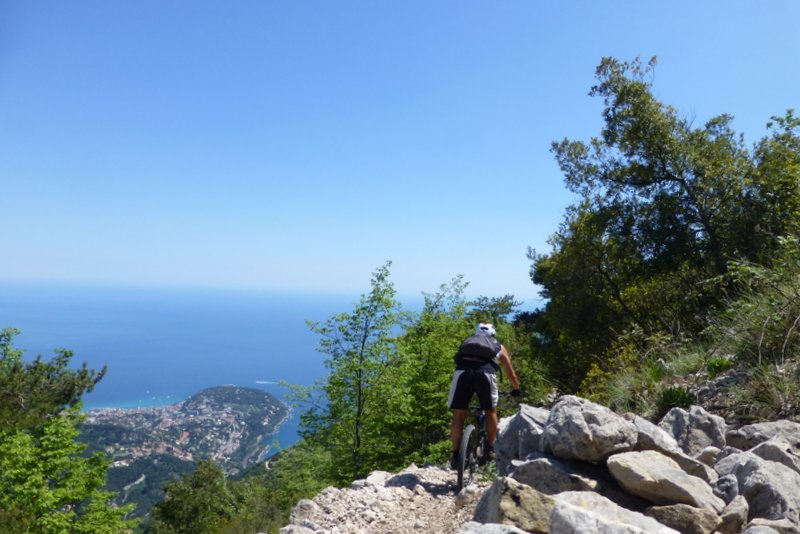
{"x":199,"y":503}
{"x":361,"y":349}
{"x":47,"y":485}
{"x":664,"y":205}
{"x":775,"y":186}
{"x":417,"y":416}
{"x":299,"y":472}
{"x":492,"y":309}
{"x":32,"y":391}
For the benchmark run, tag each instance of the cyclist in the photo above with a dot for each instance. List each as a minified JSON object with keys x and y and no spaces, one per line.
{"x":478,"y":375}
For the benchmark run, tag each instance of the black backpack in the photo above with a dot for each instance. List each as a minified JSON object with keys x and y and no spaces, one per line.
{"x":479,"y":347}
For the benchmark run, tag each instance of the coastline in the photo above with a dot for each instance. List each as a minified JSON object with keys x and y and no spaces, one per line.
{"x":284,"y":420}
{"x":154,"y":402}
{"x":283,"y":434}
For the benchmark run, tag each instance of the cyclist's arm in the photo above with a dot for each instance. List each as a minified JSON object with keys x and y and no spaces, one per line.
{"x":505,"y":361}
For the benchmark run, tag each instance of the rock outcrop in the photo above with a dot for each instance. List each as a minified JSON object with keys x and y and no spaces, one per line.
{"x":580,"y":467}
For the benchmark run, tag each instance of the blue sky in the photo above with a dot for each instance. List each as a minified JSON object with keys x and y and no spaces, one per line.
{"x":298,"y":145}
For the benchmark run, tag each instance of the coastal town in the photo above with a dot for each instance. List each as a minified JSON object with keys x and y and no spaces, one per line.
{"x":229,"y":425}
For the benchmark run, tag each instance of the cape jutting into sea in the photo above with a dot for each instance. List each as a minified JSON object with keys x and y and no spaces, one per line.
{"x":163,"y":345}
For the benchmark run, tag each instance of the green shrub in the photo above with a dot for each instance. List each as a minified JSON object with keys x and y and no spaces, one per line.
{"x":675,"y":397}
{"x":686,"y":361}
{"x":717,"y":365}
{"x":771,"y":392}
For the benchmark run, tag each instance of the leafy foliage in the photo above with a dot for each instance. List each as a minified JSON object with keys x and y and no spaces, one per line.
{"x":717,"y":365}
{"x":675,"y":397}
{"x":141,"y":482}
{"x":47,"y":485}
{"x":771,"y":392}
{"x":32,"y":391}
{"x":361,"y":349}
{"x":259,"y":501}
{"x":200,"y":503}
{"x":664,"y":206}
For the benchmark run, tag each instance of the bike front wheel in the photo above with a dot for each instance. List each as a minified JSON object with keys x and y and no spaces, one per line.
{"x":467,"y":460}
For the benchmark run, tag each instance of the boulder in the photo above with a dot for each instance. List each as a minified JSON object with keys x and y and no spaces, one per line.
{"x":709,"y":455}
{"x":510,"y":502}
{"x":684,"y":518}
{"x":760,"y":529}
{"x":578,"y":429}
{"x":651,"y":437}
{"x":771,"y":489}
{"x":694,"y":430}
{"x":726,"y":463}
{"x":724,"y":453}
{"x":659,"y":479}
{"x":519,"y":435}
{"x":734,"y":516}
{"x":779,"y":449}
{"x":749,"y":436}
{"x":726,"y":488}
{"x":763,"y":526}
{"x":553,"y":476}
{"x":578,"y":512}
{"x":694,"y":467}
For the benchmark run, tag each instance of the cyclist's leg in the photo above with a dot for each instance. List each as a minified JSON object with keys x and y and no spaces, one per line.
{"x":488,"y":396}
{"x":458,"y":402}
{"x":457,"y":427}
{"x":491,"y":427}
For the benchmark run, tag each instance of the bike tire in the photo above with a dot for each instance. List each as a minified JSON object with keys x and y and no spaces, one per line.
{"x":466,"y":458}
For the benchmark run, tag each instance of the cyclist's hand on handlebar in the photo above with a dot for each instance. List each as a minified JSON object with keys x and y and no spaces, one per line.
{"x":516,"y":393}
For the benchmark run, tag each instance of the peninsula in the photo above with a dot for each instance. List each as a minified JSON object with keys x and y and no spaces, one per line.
{"x":227,"y":424}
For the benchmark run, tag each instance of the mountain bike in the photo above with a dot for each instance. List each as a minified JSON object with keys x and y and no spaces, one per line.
{"x":474,"y":449}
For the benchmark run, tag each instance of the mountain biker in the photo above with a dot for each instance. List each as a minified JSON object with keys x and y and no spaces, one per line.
{"x":476,"y":375}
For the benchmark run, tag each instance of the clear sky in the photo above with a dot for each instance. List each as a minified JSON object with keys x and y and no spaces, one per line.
{"x":298,"y":145}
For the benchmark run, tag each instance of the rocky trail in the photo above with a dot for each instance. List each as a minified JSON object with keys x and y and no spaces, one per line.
{"x":581,"y":468}
{"x":418,"y":499}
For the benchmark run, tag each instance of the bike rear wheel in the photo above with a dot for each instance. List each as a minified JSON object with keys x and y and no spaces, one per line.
{"x":467,"y":460}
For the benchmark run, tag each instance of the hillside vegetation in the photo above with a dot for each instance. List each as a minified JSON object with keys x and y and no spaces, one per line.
{"x":672,"y":280}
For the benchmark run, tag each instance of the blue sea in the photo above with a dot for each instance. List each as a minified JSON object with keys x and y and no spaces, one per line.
{"x":161,"y":346}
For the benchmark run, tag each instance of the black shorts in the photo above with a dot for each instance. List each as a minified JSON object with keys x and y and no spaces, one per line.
{"x":467,"y":382}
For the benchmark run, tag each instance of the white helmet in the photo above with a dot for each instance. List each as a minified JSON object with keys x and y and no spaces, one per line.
{"x":486,"y":328}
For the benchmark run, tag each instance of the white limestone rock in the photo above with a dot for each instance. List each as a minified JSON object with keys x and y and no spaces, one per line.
{"x":659,"y":479}
{"x":694,"y":430}
{"x":587,"y":512}
{"x":519,"y":435}
{"x":749,"y":436}
{"x":578,"y":429}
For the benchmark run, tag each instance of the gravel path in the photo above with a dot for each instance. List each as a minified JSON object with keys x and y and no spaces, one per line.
{"x":416,"y":500}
